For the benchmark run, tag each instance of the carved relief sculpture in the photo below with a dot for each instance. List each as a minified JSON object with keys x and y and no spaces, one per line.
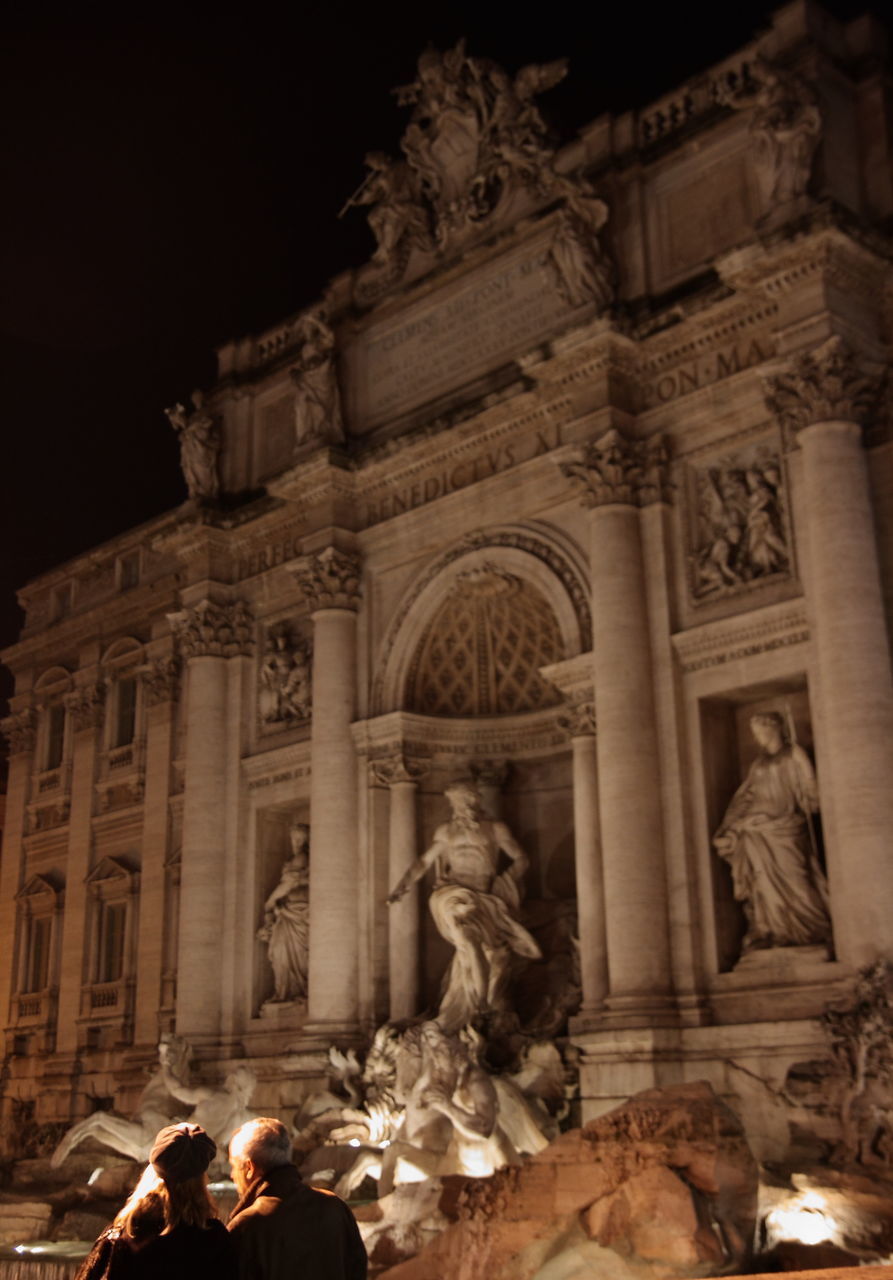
{"x":740,"y":535}
{"x":785,"y":127}
{"x":475,"y":908}
{"x":284,"y":695}
{"x":199,"y":436}
{"x":768,"y":840}
{"x":286,"y":927}
{"x":317,"y":398}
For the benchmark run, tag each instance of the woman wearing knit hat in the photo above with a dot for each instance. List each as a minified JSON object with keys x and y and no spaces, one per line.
{"x":169,"y":1227}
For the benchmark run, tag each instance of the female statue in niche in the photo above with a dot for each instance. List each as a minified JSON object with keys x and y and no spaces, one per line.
{"x":766,"y":837}
{"x":286,"y":927}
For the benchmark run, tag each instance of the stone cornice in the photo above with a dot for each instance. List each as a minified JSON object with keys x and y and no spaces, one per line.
{"x":330,"y":580}
{"x":214,"y":630}
{"x":828,"y":253}
{"x":485,"y":737}
{"x":830,"y":383}
{"x":742,"y":636}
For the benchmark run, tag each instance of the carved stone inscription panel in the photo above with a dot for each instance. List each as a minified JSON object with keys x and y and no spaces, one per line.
{"x":461,"y":332}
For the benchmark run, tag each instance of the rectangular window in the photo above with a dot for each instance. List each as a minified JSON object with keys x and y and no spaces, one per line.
{"x":111,"y":941}
{"x":55,"y":739}
{"x":37,"y":975}
{"x":125,"y":712}
{"x":62,"y":600}
{"x":129,"y":571}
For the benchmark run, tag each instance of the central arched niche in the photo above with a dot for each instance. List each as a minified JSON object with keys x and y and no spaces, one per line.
{"x":482,"y":649}
{"x":462,"y":659}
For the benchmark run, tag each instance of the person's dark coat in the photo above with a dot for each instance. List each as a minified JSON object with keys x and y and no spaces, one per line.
{"x":184,"y":1253}
{"x":285,"y":1230}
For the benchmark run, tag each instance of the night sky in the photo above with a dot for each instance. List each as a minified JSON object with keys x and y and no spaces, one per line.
{"x":171,"y":179}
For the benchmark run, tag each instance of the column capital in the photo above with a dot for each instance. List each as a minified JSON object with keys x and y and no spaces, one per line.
{"x":397,"y":767}
{"x":615,"y":470}
{"x":86,"y":706}
{"x":830,"y":383}
{"x":161,"y":680}
{"x":208,"y":629}
{"x":578,"y":719}
{"x":330,"y":580}
{"x":19,"y":730}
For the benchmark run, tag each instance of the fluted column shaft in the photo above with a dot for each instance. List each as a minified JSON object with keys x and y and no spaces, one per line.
{"x":823,"y":396}
{"x":852,"y":651}
{"x":403,"y":918}
{"x":617,"y":476}
{"x":208,"y":635}
{"x":627,"y":754}
{"x":589,"y":875}
{"x":332,"y":973}
{"x":199,"y":953}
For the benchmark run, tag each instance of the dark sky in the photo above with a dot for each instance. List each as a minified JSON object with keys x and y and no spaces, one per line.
{"x":171,"y":179}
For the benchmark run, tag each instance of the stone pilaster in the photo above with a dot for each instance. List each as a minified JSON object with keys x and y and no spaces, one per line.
{"x":86,"y":707}
{"x":824,"y":397}
{"x":19,"y":731}
{"x":330,"y":584}
{"x":616,"y":476}
{"x":208,"y":635}
{"x":401,"y":776}
{"x":579,"y":723}
{"x":160,"y":688}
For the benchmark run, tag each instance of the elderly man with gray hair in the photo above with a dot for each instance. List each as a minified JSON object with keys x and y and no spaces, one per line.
{"x":283,"y":1229}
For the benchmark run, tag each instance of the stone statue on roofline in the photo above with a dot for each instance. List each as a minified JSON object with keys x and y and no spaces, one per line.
{"x":318,"y":417}
{"x":199,"y":436}
{"x":785,"y":127}
{"x":475,"y":908}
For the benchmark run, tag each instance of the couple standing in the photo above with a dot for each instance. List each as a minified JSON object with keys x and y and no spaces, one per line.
{"x":280,"y":1229}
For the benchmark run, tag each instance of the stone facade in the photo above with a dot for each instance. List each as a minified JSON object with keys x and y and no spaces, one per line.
{"x":587,"y":467}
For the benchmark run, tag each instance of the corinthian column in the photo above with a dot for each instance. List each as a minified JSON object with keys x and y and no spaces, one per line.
{"x":208,"y":634}
{"x":616,"y":476}
{"x":402,"y":776}
{"x":330,"y":583}
{"x":824,"y":397}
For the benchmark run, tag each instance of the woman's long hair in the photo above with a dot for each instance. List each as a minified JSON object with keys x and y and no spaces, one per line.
{"x":154,"y":1206}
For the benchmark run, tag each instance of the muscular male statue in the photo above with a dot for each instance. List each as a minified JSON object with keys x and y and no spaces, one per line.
{"x":474,"y":907}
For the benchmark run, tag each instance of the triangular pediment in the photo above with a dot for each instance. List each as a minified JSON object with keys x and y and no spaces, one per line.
{"x":109,"y":868}
{"x":39,"y":886}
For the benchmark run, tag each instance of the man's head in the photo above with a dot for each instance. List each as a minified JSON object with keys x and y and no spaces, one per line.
{"x":464,"y":800}
{"x":257,"y":1147}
